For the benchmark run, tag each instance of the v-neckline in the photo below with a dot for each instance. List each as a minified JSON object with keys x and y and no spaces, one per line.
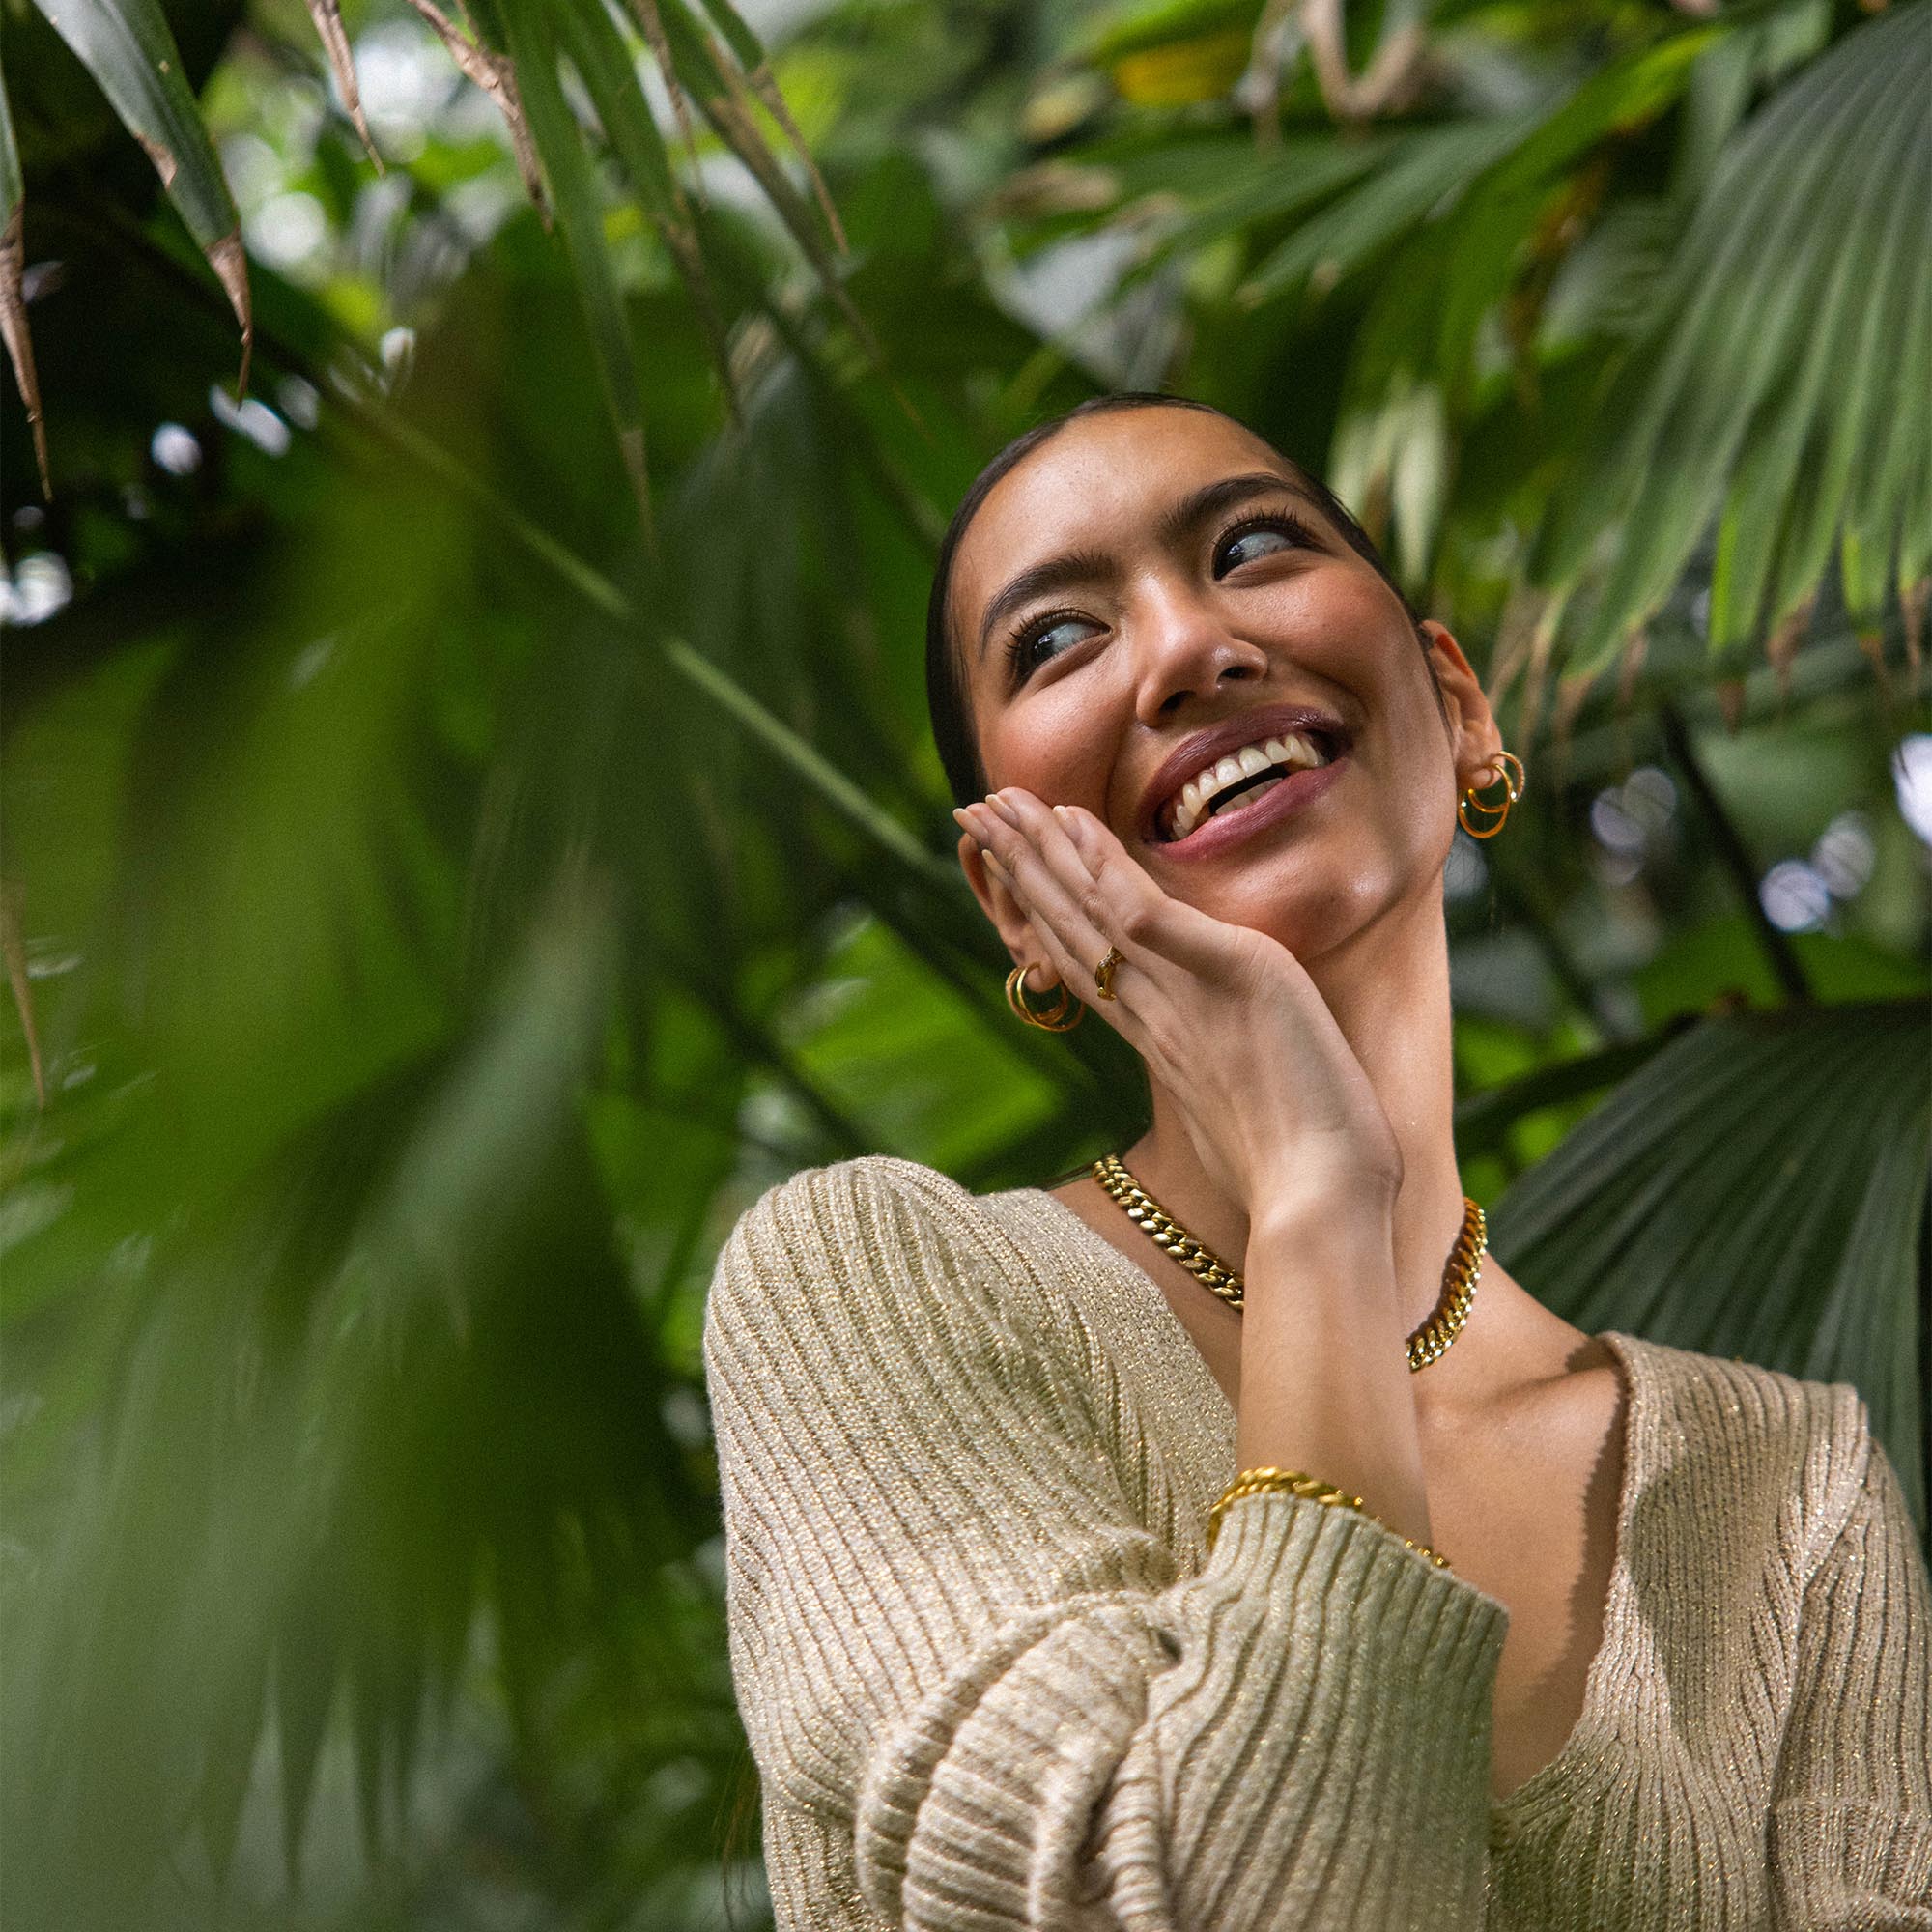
{"x":1627,"y":1351}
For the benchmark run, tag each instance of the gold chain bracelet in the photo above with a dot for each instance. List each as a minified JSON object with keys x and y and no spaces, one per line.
{"x":1257,"y":1482}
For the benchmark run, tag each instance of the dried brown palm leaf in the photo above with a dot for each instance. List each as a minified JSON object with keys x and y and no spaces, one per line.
{"x":226,"y":257}
{"x":19,"y":341}
{"x":129,"y":49}
{"x":13,"y":294}
{"x":328,"y":17}
{"x":1781,"y":641}
{"x":498,"y":78}
{"x":730,"y":112}
{"x":750,"y":53}
{"x":766,"y":88}
{"x":1380,"y":86}
{"x":651,"y":22}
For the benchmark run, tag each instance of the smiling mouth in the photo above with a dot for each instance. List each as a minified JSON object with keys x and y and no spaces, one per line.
{"x":1237,"y":797}
{"x":1234,"y":782}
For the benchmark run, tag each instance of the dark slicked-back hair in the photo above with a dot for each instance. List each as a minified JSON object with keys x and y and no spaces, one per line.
{"x":946,"y":689}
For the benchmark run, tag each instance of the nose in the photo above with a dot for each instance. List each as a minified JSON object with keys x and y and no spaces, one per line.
{"x":1183,"y":650}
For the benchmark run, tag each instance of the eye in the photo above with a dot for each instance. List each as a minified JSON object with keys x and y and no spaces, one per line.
{"x":1022,"y":652}
{"x":1245,"y":541}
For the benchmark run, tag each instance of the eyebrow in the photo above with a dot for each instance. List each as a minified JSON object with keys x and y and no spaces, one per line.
{"x":1085,"y":566}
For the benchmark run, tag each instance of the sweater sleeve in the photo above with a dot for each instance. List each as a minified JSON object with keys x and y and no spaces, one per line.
{"x":952,"y":1640}
{"x":1851,"y":1818}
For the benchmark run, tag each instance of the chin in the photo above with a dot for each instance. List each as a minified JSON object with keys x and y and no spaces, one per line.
{"x":1309,"y":912}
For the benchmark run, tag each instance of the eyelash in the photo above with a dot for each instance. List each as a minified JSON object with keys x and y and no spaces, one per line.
{"x":1286,"y":522}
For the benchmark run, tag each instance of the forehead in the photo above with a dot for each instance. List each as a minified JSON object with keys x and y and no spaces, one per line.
{"x":1102,"y":480}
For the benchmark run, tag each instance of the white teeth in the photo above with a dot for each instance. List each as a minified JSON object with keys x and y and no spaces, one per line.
{"x":1197,"y":796}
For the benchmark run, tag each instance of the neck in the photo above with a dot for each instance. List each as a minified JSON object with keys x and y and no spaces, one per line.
{"x":1388,"y":989}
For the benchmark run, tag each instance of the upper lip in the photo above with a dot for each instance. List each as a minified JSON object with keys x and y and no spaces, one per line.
{"x":1245,"y":728}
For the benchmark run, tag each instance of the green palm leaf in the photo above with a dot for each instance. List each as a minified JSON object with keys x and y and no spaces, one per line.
{"x":1784,"y":377}
{"x":1754,"y":1189}
{"x":1508,"y":155}
{"x":127,"y":47}
{"x":574,"y":190}
{"x":604,"y":66}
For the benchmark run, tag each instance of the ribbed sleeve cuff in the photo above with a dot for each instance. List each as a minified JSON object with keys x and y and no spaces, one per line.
{"x":1853,"y":1865}
{"x":1320,"y":1737}
{"x":1345,"y":1686}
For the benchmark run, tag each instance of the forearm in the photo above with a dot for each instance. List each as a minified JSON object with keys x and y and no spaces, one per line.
{"x":1324,"y":1367}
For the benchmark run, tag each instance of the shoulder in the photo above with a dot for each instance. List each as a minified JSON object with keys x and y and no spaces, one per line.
{"x":881,"y":1250}
{"x":872,"y":1176}
{"x":1727,"y":1433}
{"x":872,"y":1208}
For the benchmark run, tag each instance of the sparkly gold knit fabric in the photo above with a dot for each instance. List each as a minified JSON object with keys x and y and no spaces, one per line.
{"x":992,"y":1678}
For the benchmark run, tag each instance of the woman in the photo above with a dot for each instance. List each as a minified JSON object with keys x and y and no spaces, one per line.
{"x":1067,"y":1592}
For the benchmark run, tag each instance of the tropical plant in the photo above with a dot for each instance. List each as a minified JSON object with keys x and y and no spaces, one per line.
{"x":438,"y":897}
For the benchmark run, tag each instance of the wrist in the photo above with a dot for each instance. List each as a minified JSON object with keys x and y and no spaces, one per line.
{"x":1361,"y":1222}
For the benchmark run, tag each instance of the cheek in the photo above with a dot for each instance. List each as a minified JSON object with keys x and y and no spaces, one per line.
{"x":1053,"y":745}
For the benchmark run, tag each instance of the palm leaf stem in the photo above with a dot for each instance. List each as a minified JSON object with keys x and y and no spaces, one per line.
{"x":1735,"y":858}
{"x":831,"y":785}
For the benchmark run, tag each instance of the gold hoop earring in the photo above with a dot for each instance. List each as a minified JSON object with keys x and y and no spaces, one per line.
{"x":1515,"y":788}
{"x":1054,"y":1019}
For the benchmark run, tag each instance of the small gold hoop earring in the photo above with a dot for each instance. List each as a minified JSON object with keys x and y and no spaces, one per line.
{"x":1514,"y":787}
{"x":1054,"y":1019}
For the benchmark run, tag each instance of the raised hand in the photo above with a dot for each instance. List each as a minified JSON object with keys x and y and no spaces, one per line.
{"x":1227,"y":1019}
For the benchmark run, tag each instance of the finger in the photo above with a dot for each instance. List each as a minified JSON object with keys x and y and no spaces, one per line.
{"x":1043,"y":873}
{"x":989,"y":829}
{"x":1104,"y":893}
{"x":1053,"y":881}
{"x":1154,"y":927}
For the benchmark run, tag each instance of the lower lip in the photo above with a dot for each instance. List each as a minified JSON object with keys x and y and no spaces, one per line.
{"x":1230,"y":828}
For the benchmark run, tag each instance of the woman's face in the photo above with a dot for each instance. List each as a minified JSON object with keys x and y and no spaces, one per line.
{"x":1149,"y":575}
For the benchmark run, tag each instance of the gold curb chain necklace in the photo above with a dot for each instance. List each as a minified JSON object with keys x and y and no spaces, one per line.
{"x":1425,"y":1345}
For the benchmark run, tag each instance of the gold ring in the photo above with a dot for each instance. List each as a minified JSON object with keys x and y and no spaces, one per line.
{"x":1103,"y":974}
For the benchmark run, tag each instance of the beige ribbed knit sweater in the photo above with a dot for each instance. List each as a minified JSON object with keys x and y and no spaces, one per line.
{"x":992,"y":1678}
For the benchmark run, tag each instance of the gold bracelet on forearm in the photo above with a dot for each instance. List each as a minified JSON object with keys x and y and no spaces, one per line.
{"x":1256,"y":1482}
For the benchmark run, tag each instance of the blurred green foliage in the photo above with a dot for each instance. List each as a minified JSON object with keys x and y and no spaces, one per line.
{"x":438,"y":897}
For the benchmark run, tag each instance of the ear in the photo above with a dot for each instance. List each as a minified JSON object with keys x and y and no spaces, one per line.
{"x":1474,"y":735}
{"x":1007,"y":920}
